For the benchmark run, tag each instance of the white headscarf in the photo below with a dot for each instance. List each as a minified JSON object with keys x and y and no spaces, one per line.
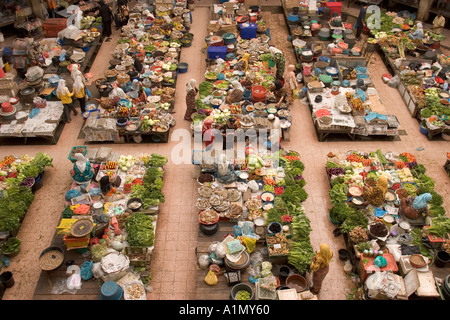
{"x":62,"y":88}
{"x":78,"y":85}
{"x":75,"y":72}
{"x":419,"y":27}
{"x":191,"y":85}
{"x":237,"y":85}
{"x":274,"y":50}
{"x":80,"y":161}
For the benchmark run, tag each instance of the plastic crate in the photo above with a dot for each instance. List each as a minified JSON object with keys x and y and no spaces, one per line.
{"x":217,"y":52}
{"x":248,"y":32}
{"x":139,"y":256}
{"x":71,"y":150}
{"x":53,"y":26}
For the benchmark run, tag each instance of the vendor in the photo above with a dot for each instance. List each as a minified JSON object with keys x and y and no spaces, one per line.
{"x":236,"y":93}
{"x":290,"y":82}
{"x":63,"y":94}
{"x":242,"y":64}
{"x":279,"y":92}
{"x":228,"y":129}
{"x":208,"y":132}
{"x":191,"y":93}
{"x":275,"y":131}
{"x":418,"y":33}
{"x":320,"y":267}
{"x":438,"y":23}
{"x":280,"y":62}
{"x":138,"y":66}
{"x":82,"y":170}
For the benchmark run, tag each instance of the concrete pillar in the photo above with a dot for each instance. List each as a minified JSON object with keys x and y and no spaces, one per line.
{"x":37,"y":8}
{"x":424,"y":10}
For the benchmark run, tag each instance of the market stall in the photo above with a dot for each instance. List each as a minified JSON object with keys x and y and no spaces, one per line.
{"x":253,"y":230}
{"x":20,"y":178}
{"x":239,"y":83}
{"x":24,"y":119}
{"x":392,"y":220}
{"x":110,"y":215}
{"x":137,"y":92}
{"x":320,"y":32}
{"x":420,"y":70}
{"x":343,"y":101}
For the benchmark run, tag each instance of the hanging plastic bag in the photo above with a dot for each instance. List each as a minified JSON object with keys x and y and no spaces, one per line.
{"x":211,"y":278}
{"x":250,"y":243}
{"x":295,"y":94}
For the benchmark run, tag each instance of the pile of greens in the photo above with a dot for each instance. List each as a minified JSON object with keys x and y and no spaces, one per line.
{"x":13,"y":206}
{"x":150,"y":191}
{"x":140,"y":231}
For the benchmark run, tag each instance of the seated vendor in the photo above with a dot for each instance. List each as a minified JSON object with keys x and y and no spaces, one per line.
{"x":82,"y":170}
{"x":236,"y":93}
{"x":418,"y":33}
{"x":279,"y":92}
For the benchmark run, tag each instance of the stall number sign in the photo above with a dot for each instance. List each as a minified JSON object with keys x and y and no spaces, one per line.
{"x":373,"y":17}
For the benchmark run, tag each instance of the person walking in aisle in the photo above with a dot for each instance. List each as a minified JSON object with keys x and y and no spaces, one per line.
{"x":122,"y":12}
{"x":107,"y":17}
{"x":63,"y":94}
{"x":360,"y":21}
{"x":80,"y":93}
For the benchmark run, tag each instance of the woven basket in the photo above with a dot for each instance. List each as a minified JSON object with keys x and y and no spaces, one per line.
{"x":51,"y":258}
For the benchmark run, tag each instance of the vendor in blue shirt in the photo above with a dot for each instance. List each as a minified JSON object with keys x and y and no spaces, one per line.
{"x":360,"y":21}
{"x":418,"y":33}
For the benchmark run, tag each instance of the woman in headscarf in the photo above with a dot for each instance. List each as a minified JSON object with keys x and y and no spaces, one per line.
{"x":122,"y":12}
{"x":279,"y":92}
{"x":208,"y":132}
{"x":236,"y":94}
{"x":280,"y":62}
{"x":82,"y":171}
{"x":418,"y":33}
{"x":290,"y":82}
{"x":320,"y":267}
{"x":242,"y":64}
{"x":107,"y":17}
{"x":75,"y":72}
{"x":80,"y":93}
{"x":63,"y":94}
{"x":191,"y":93}
{"x":138,"y":66}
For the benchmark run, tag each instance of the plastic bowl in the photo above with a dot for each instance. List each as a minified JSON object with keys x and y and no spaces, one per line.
{"x":297,"y":282}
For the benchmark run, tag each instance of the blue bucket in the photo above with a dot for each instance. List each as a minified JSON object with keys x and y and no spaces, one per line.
{"x":183,"y":67}
{"x":111,"y":291}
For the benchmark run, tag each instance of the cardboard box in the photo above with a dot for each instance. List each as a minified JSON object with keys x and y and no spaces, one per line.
{"x":289,"y":4}
{"x":249,"y":3}
{"x":229,"y":28}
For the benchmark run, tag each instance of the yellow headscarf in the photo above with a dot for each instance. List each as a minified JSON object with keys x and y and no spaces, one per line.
{"x":322,"y":258}
{"x":245,"y":58}
{"x":383,"y":184}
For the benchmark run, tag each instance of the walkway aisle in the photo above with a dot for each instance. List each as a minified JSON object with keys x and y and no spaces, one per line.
{"x":174,"y":262}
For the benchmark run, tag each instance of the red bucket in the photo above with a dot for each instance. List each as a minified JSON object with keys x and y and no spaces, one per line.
{"x":259,"y":93}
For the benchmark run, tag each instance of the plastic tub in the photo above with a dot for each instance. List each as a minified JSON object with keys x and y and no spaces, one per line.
{"x":259,"y":93}
{"x":111,"y":291}
{"x":183,"y":67}
{"x":297,"y":282}
{"x":239,"y":287}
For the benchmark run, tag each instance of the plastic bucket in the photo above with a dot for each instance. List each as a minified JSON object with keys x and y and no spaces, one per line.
{"x":239,"y":287}
{"x":111,"y":291}
{"x":183,"y":67}
{"x":259,"y":93}
{"x":7,"y":279}
{"x":271,"y":63}
{"x":442,"y":258}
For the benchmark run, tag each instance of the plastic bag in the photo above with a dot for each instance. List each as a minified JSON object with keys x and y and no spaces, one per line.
{"x":211,"y":278}
{"x":250,"y":244}
{"x":394,"y":82}
{"x":214,"y":259}
{"x":220,"y":251}
{"x":203,"y":261}
{"x":86,"y":270}
{"x":295,"y":94}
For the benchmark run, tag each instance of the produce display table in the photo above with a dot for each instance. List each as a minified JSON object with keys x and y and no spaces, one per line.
{"x":47,"y":124}
{"x":371,"y":220}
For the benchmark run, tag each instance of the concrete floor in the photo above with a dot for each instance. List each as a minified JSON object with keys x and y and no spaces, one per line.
{"x":174,"y":261}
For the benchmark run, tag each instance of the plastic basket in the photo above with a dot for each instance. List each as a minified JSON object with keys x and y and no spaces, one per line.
{"x":71,"y":150}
